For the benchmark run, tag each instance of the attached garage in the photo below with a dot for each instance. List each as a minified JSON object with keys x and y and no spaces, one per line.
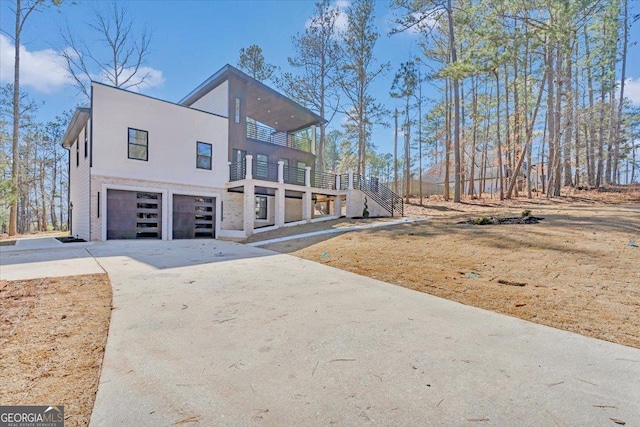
{"x":134,"y":215}
{"x":193,"y":217}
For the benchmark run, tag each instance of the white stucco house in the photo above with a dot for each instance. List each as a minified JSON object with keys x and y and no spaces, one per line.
{"x":232,"y":158}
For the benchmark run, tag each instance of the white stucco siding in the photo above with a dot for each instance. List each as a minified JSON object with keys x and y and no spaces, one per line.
{"x":79,"y":194}
{"x":216,"y":101}
{"x":173,"y":132}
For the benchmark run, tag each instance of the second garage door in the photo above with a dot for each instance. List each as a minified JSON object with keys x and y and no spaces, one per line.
{"x":193,"y":217}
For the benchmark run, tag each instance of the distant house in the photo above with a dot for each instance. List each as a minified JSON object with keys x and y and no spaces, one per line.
{"x":232,"y":158}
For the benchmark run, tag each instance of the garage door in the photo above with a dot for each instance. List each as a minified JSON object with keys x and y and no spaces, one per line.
{"x":134,"y":215}
{"x":193,"y":217}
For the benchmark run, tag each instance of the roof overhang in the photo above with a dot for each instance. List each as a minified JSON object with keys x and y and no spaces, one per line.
{"x":264,"y":104}
{"x":78,"y":121}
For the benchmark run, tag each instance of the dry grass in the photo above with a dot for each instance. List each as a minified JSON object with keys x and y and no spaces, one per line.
{"x":53,"y":333}
{"x":581,"y":272}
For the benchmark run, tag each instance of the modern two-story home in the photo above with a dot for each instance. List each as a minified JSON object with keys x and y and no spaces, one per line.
{"x":232,"y":158}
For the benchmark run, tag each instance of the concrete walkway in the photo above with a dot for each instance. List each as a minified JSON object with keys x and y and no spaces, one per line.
{"x":215,"y":333}
{"x":336,"y":230}
{"x":45,"y":257}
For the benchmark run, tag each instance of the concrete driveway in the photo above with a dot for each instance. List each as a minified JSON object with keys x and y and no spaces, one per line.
{"x":216,"y":333}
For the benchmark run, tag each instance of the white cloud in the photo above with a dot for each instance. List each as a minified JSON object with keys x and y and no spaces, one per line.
{"x":154,"y":78}
{"x":426,"y":21}
{"x":43,"y":70}
{"x":632,"y":90}
{"x":342,"y":20}
{"x":40,"y":69}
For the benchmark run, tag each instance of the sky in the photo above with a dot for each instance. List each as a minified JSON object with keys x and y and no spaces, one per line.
{"x":192,"y":39}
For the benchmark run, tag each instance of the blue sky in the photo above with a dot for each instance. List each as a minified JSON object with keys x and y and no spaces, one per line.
{"x":194,"y":38}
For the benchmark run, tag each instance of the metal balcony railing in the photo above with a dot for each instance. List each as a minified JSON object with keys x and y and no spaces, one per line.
{"x":237,"y":171}
{"x":293,"y":175}
{"x":265,"y":171}
{"x":323,"y":180}
{"x":264,"y":133}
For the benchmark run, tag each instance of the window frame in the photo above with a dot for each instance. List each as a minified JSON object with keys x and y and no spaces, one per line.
{"x":86,"y":142}
{"x":129,"y":144}
{"x":258,"y":208}
{"x":198,"y":155}
{"x":77,"y":152}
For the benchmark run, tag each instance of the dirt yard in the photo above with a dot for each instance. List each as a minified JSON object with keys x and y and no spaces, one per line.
{"x":578,"y":269}
{"x":52,"y":337}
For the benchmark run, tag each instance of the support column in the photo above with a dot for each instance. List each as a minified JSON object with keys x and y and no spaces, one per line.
{"x":280,"y":207}
{"x":280,"y":171}
{"x":350,"y":180}
{"x":306,"y":206}
{"x":313,"y":140}
{"x":249,"y":164}
{"x":307,"y":176}
{"x":337,"y":206}
{"x":338,"y":181}
{"x":249,"y":211}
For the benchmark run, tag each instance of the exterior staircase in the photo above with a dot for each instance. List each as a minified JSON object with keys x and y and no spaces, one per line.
{"x":380,"y":193}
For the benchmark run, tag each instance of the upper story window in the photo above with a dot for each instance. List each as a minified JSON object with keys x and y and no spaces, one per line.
{"x":86,"y":143}
{"x":77,"y":152}
{"x":138,"y":144}
{"x":203,"y":155}
{"x":237,"y":118}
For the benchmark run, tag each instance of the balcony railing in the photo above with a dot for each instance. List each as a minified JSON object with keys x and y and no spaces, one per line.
{"x":264,"y":133}
{"x":323,"y":180}
{"x":265,"y":171}
{"x":237,"y":171}
{"x":293,"y":175}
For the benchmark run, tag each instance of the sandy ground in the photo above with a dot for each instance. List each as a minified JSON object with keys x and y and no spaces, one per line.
{"x":579,"y":267}
{"x":52,"y":337}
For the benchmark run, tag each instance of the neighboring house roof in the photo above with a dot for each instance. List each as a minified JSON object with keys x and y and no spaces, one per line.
{"x":263,"y":103}
{"x":78,"y":121}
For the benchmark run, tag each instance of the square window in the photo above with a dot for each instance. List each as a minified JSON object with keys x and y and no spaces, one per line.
{"x":261,"y":207}
{"x":204,"y":154}
{"x":138,"y":144}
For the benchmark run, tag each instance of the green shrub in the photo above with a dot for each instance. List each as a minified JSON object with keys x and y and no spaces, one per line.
{"x":482,"y":220}
{"x":526,"y":213}
{"x":365,"y":211}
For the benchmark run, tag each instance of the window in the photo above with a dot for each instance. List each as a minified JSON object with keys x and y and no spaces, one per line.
{"x":77,"y":152}
{"x":261,"y":207}
{"x":138,"y":144}
{"x":237,"y":110}
{"x":262,"y":168}
{"x":86,"y":143}
{"x":203,"y":156}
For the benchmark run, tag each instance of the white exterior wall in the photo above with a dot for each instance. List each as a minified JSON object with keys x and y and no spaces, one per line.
{"x":355,"y":205}
{"x":173,"y":131}
{"x":216,"y":101}
{"x":79,"y":188}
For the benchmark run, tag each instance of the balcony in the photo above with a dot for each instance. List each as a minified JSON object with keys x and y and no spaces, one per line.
{"x":280,"y":173}
{"x":300,"y":140}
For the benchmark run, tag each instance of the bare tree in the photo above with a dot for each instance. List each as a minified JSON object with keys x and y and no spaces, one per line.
{"x":123,"y":66}
{"x":22,"y":12}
